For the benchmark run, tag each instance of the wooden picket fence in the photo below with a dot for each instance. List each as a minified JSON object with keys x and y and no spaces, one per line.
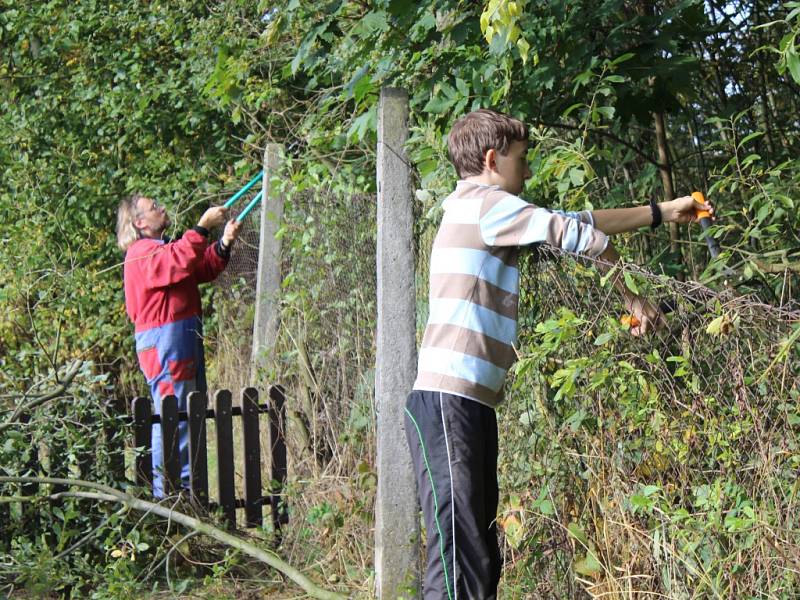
{"x":222,"y":413}
{"x":116,"y":430}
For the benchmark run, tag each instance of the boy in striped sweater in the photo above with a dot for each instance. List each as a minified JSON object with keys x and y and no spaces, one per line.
{"x":467,"y":346}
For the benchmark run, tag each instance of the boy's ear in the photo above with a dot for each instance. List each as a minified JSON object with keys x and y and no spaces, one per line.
{"x":490,"y":160}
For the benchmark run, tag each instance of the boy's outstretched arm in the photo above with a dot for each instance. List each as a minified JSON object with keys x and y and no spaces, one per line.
{"x":620,"y":220}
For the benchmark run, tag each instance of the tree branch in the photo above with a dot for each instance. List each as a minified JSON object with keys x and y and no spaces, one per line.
{"x":606,"y":134}
{"x":105,"y":493}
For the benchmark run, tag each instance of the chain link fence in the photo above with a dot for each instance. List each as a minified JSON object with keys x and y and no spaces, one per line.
{"x":662,"y":464}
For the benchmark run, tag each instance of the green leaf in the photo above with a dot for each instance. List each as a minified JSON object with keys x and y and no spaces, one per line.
{"x":576,"y":532}
{"x":607,"y":111}
{"x":546,"y":507}
{"x":603,"y":338}
{"x":793,"y":62}
{"x":621,"y":59}
{"x":438,"y":105}
{"x":524,"y":47}
{"x":749,"y":137}
{"x":630,"y":283}
{"x":649,"y":490}
{"x":588,"y":565}
{"x":462,"y":86}
{"x":576,"y":176}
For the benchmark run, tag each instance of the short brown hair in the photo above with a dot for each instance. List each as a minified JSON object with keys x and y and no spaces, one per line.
{"x":478,"y":132}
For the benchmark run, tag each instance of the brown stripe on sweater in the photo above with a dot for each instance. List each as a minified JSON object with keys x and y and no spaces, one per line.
{"x":459,"y":235}
{"x":460,"y":387}
{"x":508,"y":254}
{"x":492,"y":197}
{"x":556,"y":229}
{"x":466,"y":341}
{"x":513,"y":232}
{"x":474,"y":289}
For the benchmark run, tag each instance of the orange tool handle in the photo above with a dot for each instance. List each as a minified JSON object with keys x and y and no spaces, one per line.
{"x":630,"y":321}
{"x":700,"y":199}
{"x":665,"y":306}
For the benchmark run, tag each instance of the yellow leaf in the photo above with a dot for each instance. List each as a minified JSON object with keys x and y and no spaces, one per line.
{"x":514,"y":530}
{"x":523,"y":46}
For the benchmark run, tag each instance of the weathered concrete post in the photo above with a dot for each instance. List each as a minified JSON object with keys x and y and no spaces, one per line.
{"x":268,"y":275}
{"x":396,"y":512}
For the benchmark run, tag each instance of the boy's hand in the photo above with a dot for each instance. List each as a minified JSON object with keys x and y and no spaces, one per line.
{"x":683,"y":209}
{"x":644,"y":315}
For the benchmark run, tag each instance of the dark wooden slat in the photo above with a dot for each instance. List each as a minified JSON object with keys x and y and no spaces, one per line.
{"x":252,"y":458}
{"x":277,"y":420}
{"x":224,"y":426}
{"x":170,"y":447}
{"x":198,"y":460}
{"x":114,"y":433}
{"x":142,"y":438}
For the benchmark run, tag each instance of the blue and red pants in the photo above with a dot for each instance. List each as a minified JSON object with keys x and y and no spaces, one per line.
{"x":171,"y":358}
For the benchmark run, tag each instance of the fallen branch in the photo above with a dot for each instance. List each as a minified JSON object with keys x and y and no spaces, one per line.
{"x":105,"y":493}
{"x":56,"y":392}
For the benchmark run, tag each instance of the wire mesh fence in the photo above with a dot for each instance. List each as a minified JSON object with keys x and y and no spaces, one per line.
{"x":658,"y":464}
{"x":325,"y":350}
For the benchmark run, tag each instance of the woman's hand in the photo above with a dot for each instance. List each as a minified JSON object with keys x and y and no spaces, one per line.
{"x":213,"y":217}
{"x":232,"y":229}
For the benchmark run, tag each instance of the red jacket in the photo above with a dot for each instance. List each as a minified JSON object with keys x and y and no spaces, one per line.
{"x":161,"y":278}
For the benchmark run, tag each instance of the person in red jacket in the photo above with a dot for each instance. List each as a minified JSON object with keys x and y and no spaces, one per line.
{"x":162,"y":299}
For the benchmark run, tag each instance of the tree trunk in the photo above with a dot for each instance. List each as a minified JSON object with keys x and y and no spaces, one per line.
{"x":665,"y":170}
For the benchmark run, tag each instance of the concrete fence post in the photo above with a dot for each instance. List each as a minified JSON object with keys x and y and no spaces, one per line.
{"x":396,"y":511}
{"x":268,"y":275}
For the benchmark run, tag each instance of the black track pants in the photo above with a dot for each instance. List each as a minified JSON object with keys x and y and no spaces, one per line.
{"x":453,"y":444}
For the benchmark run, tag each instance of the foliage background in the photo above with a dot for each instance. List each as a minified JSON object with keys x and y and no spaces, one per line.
{"x":626,"y":100}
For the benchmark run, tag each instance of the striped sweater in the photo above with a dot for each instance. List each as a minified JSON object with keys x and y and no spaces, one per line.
{"x":474,"y":285}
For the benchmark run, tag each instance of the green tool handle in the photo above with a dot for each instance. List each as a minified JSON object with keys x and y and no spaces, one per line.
{"x":243,"y":191}
{"x":240,"y":217}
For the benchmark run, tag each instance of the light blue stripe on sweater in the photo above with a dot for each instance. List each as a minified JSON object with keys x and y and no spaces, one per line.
{"x":463,"y":366}
{"x":501,"y":216}
{"x":462,"y":313}
{"x":478,"y":263}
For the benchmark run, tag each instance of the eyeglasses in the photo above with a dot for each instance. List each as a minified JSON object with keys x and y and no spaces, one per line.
{"x":153,"y":207}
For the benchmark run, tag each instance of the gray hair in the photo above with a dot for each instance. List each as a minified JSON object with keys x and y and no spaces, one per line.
{"x":126,"y":215}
